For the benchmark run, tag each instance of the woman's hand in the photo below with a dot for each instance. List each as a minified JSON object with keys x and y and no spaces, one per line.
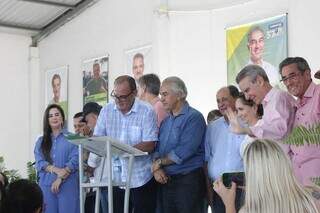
{"x":228,"y":196}
{"x":62,"y":172}
{"x":55,"y":187}
{"x":160,"y":176}
{"x":234,"y":122}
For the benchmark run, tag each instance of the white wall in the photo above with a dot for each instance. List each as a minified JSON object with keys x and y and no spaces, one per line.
{"x":196,"y":41}
{"x":112,"y":27}
{"x":14,"y":108}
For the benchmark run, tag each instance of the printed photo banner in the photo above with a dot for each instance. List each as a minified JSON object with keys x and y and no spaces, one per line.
{"x":138,"y":61}
{"x":263,"y":43}
{"x":95,"y":80}
{"x":56,"y":81}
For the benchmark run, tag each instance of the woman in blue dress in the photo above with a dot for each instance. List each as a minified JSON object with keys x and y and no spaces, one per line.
{"x":57,"y":165}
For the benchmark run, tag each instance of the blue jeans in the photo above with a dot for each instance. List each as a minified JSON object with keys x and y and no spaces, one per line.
{"x":104,"y":200}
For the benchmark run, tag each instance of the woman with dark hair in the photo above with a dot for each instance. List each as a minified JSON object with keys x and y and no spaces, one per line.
{"x":23,"y":196}
{"x":250,"y":113}
{"x":57,"y":164}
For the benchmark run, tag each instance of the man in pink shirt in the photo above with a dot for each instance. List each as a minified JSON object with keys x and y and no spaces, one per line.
{"x":148,"y":90}
{"x":278,"y":106}
{"x":296,"y":76}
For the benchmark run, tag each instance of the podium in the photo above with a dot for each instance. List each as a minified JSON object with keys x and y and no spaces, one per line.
{"x":105,"y":147}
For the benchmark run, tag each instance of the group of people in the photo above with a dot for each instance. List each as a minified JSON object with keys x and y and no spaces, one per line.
{"x":187,"y":157}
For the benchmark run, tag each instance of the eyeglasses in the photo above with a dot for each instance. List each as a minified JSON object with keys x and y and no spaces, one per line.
{"x":121,"y":97}
{"x":291,"y":76}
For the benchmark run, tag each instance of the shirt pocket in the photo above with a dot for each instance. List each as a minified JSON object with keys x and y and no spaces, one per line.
{"x":135,"y":135}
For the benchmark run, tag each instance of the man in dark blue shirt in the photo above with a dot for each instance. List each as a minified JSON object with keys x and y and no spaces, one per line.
{"x":179,"y":156}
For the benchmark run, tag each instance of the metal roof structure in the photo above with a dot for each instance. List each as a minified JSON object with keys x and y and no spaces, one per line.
{"x":38,"y":18}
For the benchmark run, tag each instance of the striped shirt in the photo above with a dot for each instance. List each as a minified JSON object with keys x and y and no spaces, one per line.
{"x":136,"y":126}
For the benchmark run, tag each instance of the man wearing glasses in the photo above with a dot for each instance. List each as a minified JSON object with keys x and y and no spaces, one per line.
{"x":132,"y":122}
{"x":296,"y":76}
{"x":278,"y":106}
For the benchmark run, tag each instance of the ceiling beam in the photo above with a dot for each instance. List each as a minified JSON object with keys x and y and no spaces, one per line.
{"x":17,"y":26}
{"x":51,"y":3}
{"x":61,"y":20}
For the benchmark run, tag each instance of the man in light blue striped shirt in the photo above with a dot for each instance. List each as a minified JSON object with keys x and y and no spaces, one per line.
{"x":222,"y":147}
{"x":132,"y":122}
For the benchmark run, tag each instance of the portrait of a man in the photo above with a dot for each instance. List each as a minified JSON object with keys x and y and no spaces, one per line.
{"x":57,"y":87}
{"x":137,"y":66}
{"x":262,"y":42}
{"x":95,"y":80}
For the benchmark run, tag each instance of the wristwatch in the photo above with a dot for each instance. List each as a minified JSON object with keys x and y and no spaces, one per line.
{"x":159,"y":162}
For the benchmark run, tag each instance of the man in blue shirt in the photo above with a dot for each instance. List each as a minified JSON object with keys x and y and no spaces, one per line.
{"x":132,"y":122}
{"x":222,"y":147}
{"x":179,"y":156}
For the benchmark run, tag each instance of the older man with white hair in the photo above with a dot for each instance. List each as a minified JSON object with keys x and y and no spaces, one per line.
{"x":180,"y":151}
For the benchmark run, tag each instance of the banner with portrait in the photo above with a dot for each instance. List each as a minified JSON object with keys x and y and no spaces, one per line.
{"x":139,"y":61}
{"x":95,"y":80}
{"x":56,"y":87}
{"x":263,"y":42}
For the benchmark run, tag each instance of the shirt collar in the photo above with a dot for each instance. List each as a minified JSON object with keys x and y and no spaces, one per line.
{"x":308,"y":94}
{"x":269,"y":96}
{"x":183,"y":111}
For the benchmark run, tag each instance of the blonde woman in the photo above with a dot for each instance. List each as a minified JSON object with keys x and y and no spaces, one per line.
{"x":270,"y":183}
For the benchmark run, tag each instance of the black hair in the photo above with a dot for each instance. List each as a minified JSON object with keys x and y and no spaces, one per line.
{"x":213,"y":115}
{"x":151,"y":82}
{"x":251,"y":104}
{"x":78,"y":115}
{"x":233,"y":90}
{"x":126,"y":78}
{"x":47,"y":143}
{"x":22,"y":196}
{"x":302,"y":64}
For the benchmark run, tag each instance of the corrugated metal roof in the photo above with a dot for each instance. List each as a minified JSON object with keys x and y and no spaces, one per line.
{"x":33,"y":14}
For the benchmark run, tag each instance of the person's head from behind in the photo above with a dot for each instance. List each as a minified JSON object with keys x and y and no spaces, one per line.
{"x":23,"y":196}
{"x":173,"y":93}
{"x":91,"y":111}
{"x":213,"y":115}
{"x":256,"y":44}
{"x":56,"y":87}
{"x":148,"y":84}
{"x":270,"y":182}
{"x":96,"y":70}
{"x":78,"y":124}
{"x":124,"y":92}
{"x":254,"y":83}
{"x":295,"y":75}
{"x":137,"y":65}
{"x":247,"y":110}
{"x":226,"y":98}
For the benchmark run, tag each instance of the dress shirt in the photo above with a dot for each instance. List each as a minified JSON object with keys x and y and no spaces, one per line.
{"x":278,"y":117}
{"x":136,"y":126}
{"x":63,"y":154}
{"x":159,"y":109}
{"x":181,"y":138}
{"x":306,"y":159}
{"x":222,"y":149}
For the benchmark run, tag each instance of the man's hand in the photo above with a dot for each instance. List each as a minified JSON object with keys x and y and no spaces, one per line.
{"x":55,"y":187}
{"x":160,"y":176}
{"x":156,"y":165}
